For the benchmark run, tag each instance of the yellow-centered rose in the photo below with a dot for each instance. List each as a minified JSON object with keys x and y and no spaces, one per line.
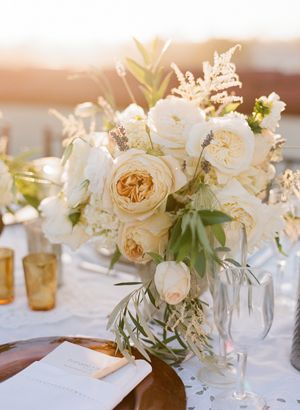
{"x":136,"y":239}
{"x":140,"y":183}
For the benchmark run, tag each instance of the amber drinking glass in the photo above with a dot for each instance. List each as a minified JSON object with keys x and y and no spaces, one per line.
{"x":6,"y":275}
{"x":40,"y":271}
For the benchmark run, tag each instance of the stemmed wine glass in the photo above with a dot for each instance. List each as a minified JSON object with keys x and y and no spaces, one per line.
{"x":243,"y":312}
{"x":220,"y":372}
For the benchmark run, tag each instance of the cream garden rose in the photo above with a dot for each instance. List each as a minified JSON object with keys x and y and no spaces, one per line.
{"x":136,"y":239}
{"x":261,"y":221}
{"x":257,"y":178}
{"x":140,"y":183}
{"x":231,"y":149}
{"x":6,"y":185}
{"x":171,"y":120}
{"x":172,"y":281}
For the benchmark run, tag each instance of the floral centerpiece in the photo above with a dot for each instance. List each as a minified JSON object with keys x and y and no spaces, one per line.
{"x":169,"y":186}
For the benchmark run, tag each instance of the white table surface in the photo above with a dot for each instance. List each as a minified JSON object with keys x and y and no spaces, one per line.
{"x":86,"y":299}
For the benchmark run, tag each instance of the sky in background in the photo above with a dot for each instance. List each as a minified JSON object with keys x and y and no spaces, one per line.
{"x":60,"y":29}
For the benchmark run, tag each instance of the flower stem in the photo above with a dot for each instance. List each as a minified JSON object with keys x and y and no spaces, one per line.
{"x":130,"y":93}
{"x":198,"y":163}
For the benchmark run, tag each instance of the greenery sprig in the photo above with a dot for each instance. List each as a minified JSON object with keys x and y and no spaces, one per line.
{"x":150,"y":74}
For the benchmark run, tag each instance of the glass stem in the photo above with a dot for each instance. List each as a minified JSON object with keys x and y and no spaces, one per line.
{"x":222,"y":350}
{"x":241,"y":373}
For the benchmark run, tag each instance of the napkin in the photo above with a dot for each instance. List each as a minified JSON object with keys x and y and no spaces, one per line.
{"x":53,"y":383}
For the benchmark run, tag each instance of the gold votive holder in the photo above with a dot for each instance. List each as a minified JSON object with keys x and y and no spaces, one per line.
{"x":6,"y":276}
{"x":40,"y":271}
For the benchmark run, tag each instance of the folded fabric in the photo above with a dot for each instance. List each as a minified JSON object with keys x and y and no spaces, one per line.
{"x":43,"y":385}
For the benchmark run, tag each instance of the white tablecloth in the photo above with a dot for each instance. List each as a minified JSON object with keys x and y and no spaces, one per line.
{"x":86,"y":299}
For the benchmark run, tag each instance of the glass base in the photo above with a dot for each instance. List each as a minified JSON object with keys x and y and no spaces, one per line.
{"x":229,"y":401}
{"x":219,"y":373}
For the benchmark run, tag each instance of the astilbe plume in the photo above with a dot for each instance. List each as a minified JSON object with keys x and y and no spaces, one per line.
{"x":73,"y":127}
{"x":212,"y":88}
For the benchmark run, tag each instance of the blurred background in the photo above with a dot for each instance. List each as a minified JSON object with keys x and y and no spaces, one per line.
{"x":45,"y":42}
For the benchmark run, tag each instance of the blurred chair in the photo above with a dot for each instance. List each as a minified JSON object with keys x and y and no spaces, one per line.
{"x":52,"y":143}
{"x":4,"y":139}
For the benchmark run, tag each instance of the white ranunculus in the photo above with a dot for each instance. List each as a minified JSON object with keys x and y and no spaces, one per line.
{"x":99,"y":162}
{"x":57,"y":226}
{"x":86,"y":110}
{"x":6,"y":185}
{"x":134,"y":120}
{"x":140,"y":183}
{"x":136,"y":239}
{"x":131,"y":113}
{"x":256,"y":179}
{"x":171,"y":120}
{"x":261,"y":221}
{"x":75,"y":187}
{"x":232,"y":145}
{"x":263,"y":144}
{"x":172,"y":281}
{"x":276,"y":106}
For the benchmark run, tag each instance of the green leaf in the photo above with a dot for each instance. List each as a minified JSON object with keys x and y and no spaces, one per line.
{"x":115,"y":258}
{"x":127,"y":283}
{"x":74,"y":217}
{"x":138,"y":345}
{"x":219,"y":233}
{"x":279,"y":246}
{"x":143,"y":51}
{"x":156,"y":257}
{"x":32,"y":200}
{"x":163,"y":86}
{"x":202,"y":236}
{"x":151,"y":297}
{"x":213,"y":217}
{"x":117,"y":309}
{"x":137,"y":324}
{"x":175,"y":234}
{"x":254,"y":125}
{"x":142,"y":74}
{"x":230,"y":108}
{"x":200,"y":263}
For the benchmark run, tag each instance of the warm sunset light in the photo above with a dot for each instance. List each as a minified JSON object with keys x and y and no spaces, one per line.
{"x":62,"y":32}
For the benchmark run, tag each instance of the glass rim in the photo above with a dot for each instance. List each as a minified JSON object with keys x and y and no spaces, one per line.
{"x":34,"y":257}
{"x":267,"y":275}
{"x":6,"y":252}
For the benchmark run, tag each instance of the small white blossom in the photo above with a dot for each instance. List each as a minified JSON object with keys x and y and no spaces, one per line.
{"x":276,"y":106}
{"x":101,"y":223}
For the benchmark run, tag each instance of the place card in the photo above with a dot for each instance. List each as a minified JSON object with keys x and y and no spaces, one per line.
{"x":62,"y":380}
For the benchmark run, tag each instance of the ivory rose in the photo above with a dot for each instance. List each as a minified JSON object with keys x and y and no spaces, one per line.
{"x":261,"y":221}
{"x":140,"y":183}
{"x":232,"y":146}
{"x":6,"y":185}
{"x":172,"y":281}
{"x":262,"y":147}
{"x":136,"y":239}
{"x":171,"y":120}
